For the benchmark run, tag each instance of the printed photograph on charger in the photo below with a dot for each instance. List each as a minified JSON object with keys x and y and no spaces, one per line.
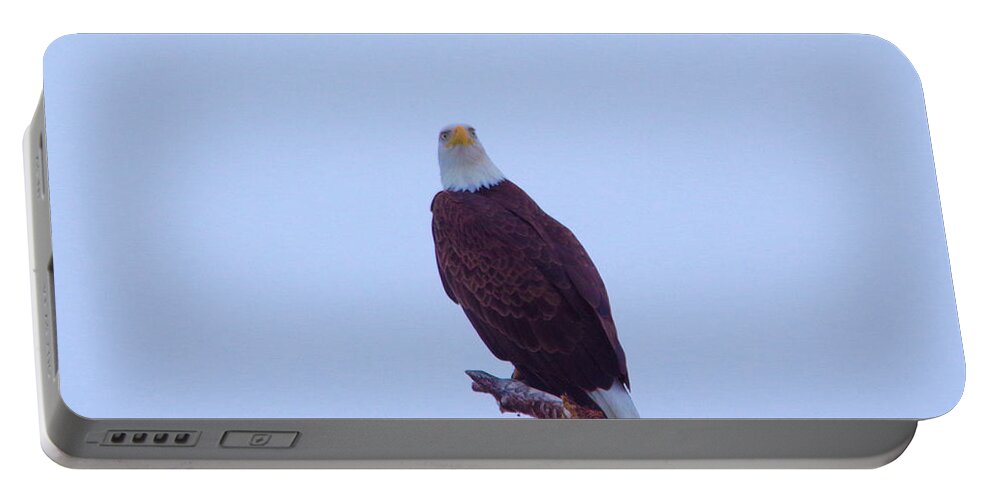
{"x":315,"y":229}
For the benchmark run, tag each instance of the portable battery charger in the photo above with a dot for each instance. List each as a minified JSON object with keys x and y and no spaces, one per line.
{"x":673,"y":251}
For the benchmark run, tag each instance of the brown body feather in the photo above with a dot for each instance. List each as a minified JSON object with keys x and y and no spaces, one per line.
{"x":529,"y":289}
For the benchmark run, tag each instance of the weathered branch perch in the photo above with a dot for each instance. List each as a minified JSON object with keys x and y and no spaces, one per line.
{"x":514,"y":396}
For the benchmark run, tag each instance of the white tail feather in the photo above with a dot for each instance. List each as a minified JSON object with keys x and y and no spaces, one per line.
{"x":615,"y":402}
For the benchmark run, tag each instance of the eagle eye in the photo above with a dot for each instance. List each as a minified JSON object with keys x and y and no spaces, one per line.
{"x":444,"y":135}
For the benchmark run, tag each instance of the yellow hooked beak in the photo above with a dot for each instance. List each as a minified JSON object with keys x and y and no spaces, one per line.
{"x":460,"y":137}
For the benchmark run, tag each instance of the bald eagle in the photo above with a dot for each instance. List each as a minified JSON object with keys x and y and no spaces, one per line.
{"x":524,"y":281}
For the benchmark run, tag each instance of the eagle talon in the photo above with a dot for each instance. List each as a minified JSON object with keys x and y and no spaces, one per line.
{"x":578,"y":411}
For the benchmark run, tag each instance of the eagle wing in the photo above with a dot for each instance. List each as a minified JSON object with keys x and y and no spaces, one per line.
{"x":530,"y":291}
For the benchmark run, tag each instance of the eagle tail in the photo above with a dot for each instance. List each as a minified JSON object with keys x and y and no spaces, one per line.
{"x":615,"y":402}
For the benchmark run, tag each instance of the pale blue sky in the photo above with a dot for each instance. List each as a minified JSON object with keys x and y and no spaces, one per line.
{"x":242,"y":225}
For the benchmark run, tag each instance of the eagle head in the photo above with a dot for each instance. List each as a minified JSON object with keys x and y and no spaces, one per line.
{"x":465,"y":166}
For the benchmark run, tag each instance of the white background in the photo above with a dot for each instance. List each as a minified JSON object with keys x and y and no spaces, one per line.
{"x":948,"y":42}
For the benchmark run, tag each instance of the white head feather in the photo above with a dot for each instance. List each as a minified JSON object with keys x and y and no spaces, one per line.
{"x":465,"y":166}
